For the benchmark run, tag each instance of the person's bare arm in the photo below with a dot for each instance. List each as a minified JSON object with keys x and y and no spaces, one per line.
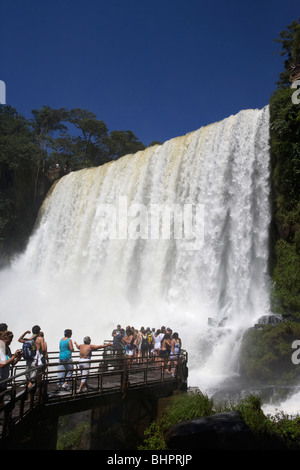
{"x":21,"y":339}
{"x":11,"y":360}
{"x":93,"y":347}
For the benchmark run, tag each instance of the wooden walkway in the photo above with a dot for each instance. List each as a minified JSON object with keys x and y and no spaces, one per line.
{"x":108,"y":374}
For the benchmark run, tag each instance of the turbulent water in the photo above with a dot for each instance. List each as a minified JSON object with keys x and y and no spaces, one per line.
{"x":99,"y":255}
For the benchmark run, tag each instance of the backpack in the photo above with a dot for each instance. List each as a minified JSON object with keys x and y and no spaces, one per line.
{"x":144,"y":342}
{"x":29,"y":349}
{"x":150,"y":339}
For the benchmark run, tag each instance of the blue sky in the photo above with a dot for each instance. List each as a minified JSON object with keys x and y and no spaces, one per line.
{"x":160,"y":68}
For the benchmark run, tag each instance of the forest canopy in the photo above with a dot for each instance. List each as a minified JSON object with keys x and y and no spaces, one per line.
{"x":285,"y":160}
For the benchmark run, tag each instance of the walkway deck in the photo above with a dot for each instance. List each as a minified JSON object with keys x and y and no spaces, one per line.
{"x":108,"y":374}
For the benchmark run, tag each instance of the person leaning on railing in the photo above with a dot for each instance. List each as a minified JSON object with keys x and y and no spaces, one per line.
{"x":6,"y":361}
{"x":86,"y":350}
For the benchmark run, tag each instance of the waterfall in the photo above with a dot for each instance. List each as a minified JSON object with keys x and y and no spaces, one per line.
{"x":174,"y":235}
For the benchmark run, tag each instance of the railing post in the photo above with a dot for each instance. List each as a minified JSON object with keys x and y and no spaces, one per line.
{"x":146,"y":370}
{"x":13,"y":395}
{"x":6,"y":419}
{"x":44,"y":391}
{"x":124,"y":377}
{"x":22,"y":404}
{"x":74,"y":380}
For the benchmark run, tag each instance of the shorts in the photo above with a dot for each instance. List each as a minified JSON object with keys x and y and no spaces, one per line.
{"x":163,"y":353}
{"x":84,"y":366}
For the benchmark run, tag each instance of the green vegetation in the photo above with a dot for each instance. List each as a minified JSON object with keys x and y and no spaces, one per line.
{"x":19,"y":157}
{"x":288,"y":428}
{"x":188,"y":406}
{"x":183,"y":407}
{"x":289,"y":39}
{"x":266,"y":351}
{"x":72,"y":440}
{"x":266,"y":354}
{"x":285,"y":159}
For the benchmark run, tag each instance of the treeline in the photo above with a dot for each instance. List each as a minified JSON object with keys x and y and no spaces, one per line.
{"x":285,"y":158}
{"x":266,"y":352}
{"x":34,"y":152}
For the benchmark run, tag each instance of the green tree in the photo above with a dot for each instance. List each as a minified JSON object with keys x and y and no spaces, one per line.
{"x":120,"y":143}
{"x":155,"y":142}
{"x":289,"y":39}
{"x":266,"y":351}
{"x":88,"y":145}
{"x":19,"y":157}
{"x":75,"y":139}
{"x":45,"y":123}
{"x":285,"y":158}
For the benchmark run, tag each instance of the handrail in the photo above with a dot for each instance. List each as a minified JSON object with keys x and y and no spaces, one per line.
{"x":108,"y":372}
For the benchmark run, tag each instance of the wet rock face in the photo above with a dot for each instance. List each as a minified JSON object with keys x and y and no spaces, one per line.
{"x":272,"y":319}
{"x":222,"y":431}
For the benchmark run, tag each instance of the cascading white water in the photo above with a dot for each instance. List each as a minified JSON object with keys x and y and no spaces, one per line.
{"x":71,"y":276}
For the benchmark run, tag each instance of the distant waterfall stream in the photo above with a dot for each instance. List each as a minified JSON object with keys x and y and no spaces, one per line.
{"x":174,"y":235}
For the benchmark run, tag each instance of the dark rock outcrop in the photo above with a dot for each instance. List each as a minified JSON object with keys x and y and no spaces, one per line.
{"x":222,"y":431}
{"x":272,"y":319}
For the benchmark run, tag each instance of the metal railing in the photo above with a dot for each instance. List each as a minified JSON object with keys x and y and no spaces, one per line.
{"x":109,"y":371}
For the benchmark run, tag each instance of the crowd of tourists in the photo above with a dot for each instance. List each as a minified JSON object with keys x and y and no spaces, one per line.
{"x":137,"y":344}
{"x":34,"y":351}
{"x":134,"y":344}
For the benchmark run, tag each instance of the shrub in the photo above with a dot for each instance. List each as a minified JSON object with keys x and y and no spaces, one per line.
{"x":288,"y":427}
{"x":72,"y":439}
{"x":183,"y":407}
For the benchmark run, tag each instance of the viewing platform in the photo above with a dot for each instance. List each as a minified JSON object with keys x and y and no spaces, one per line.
{"x":29,"y":415}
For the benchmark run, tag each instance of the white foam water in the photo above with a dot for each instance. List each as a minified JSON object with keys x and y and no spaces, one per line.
{"x":289,"y":406}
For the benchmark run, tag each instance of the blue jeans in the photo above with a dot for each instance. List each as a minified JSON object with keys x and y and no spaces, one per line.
{"x":65,"y":369}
